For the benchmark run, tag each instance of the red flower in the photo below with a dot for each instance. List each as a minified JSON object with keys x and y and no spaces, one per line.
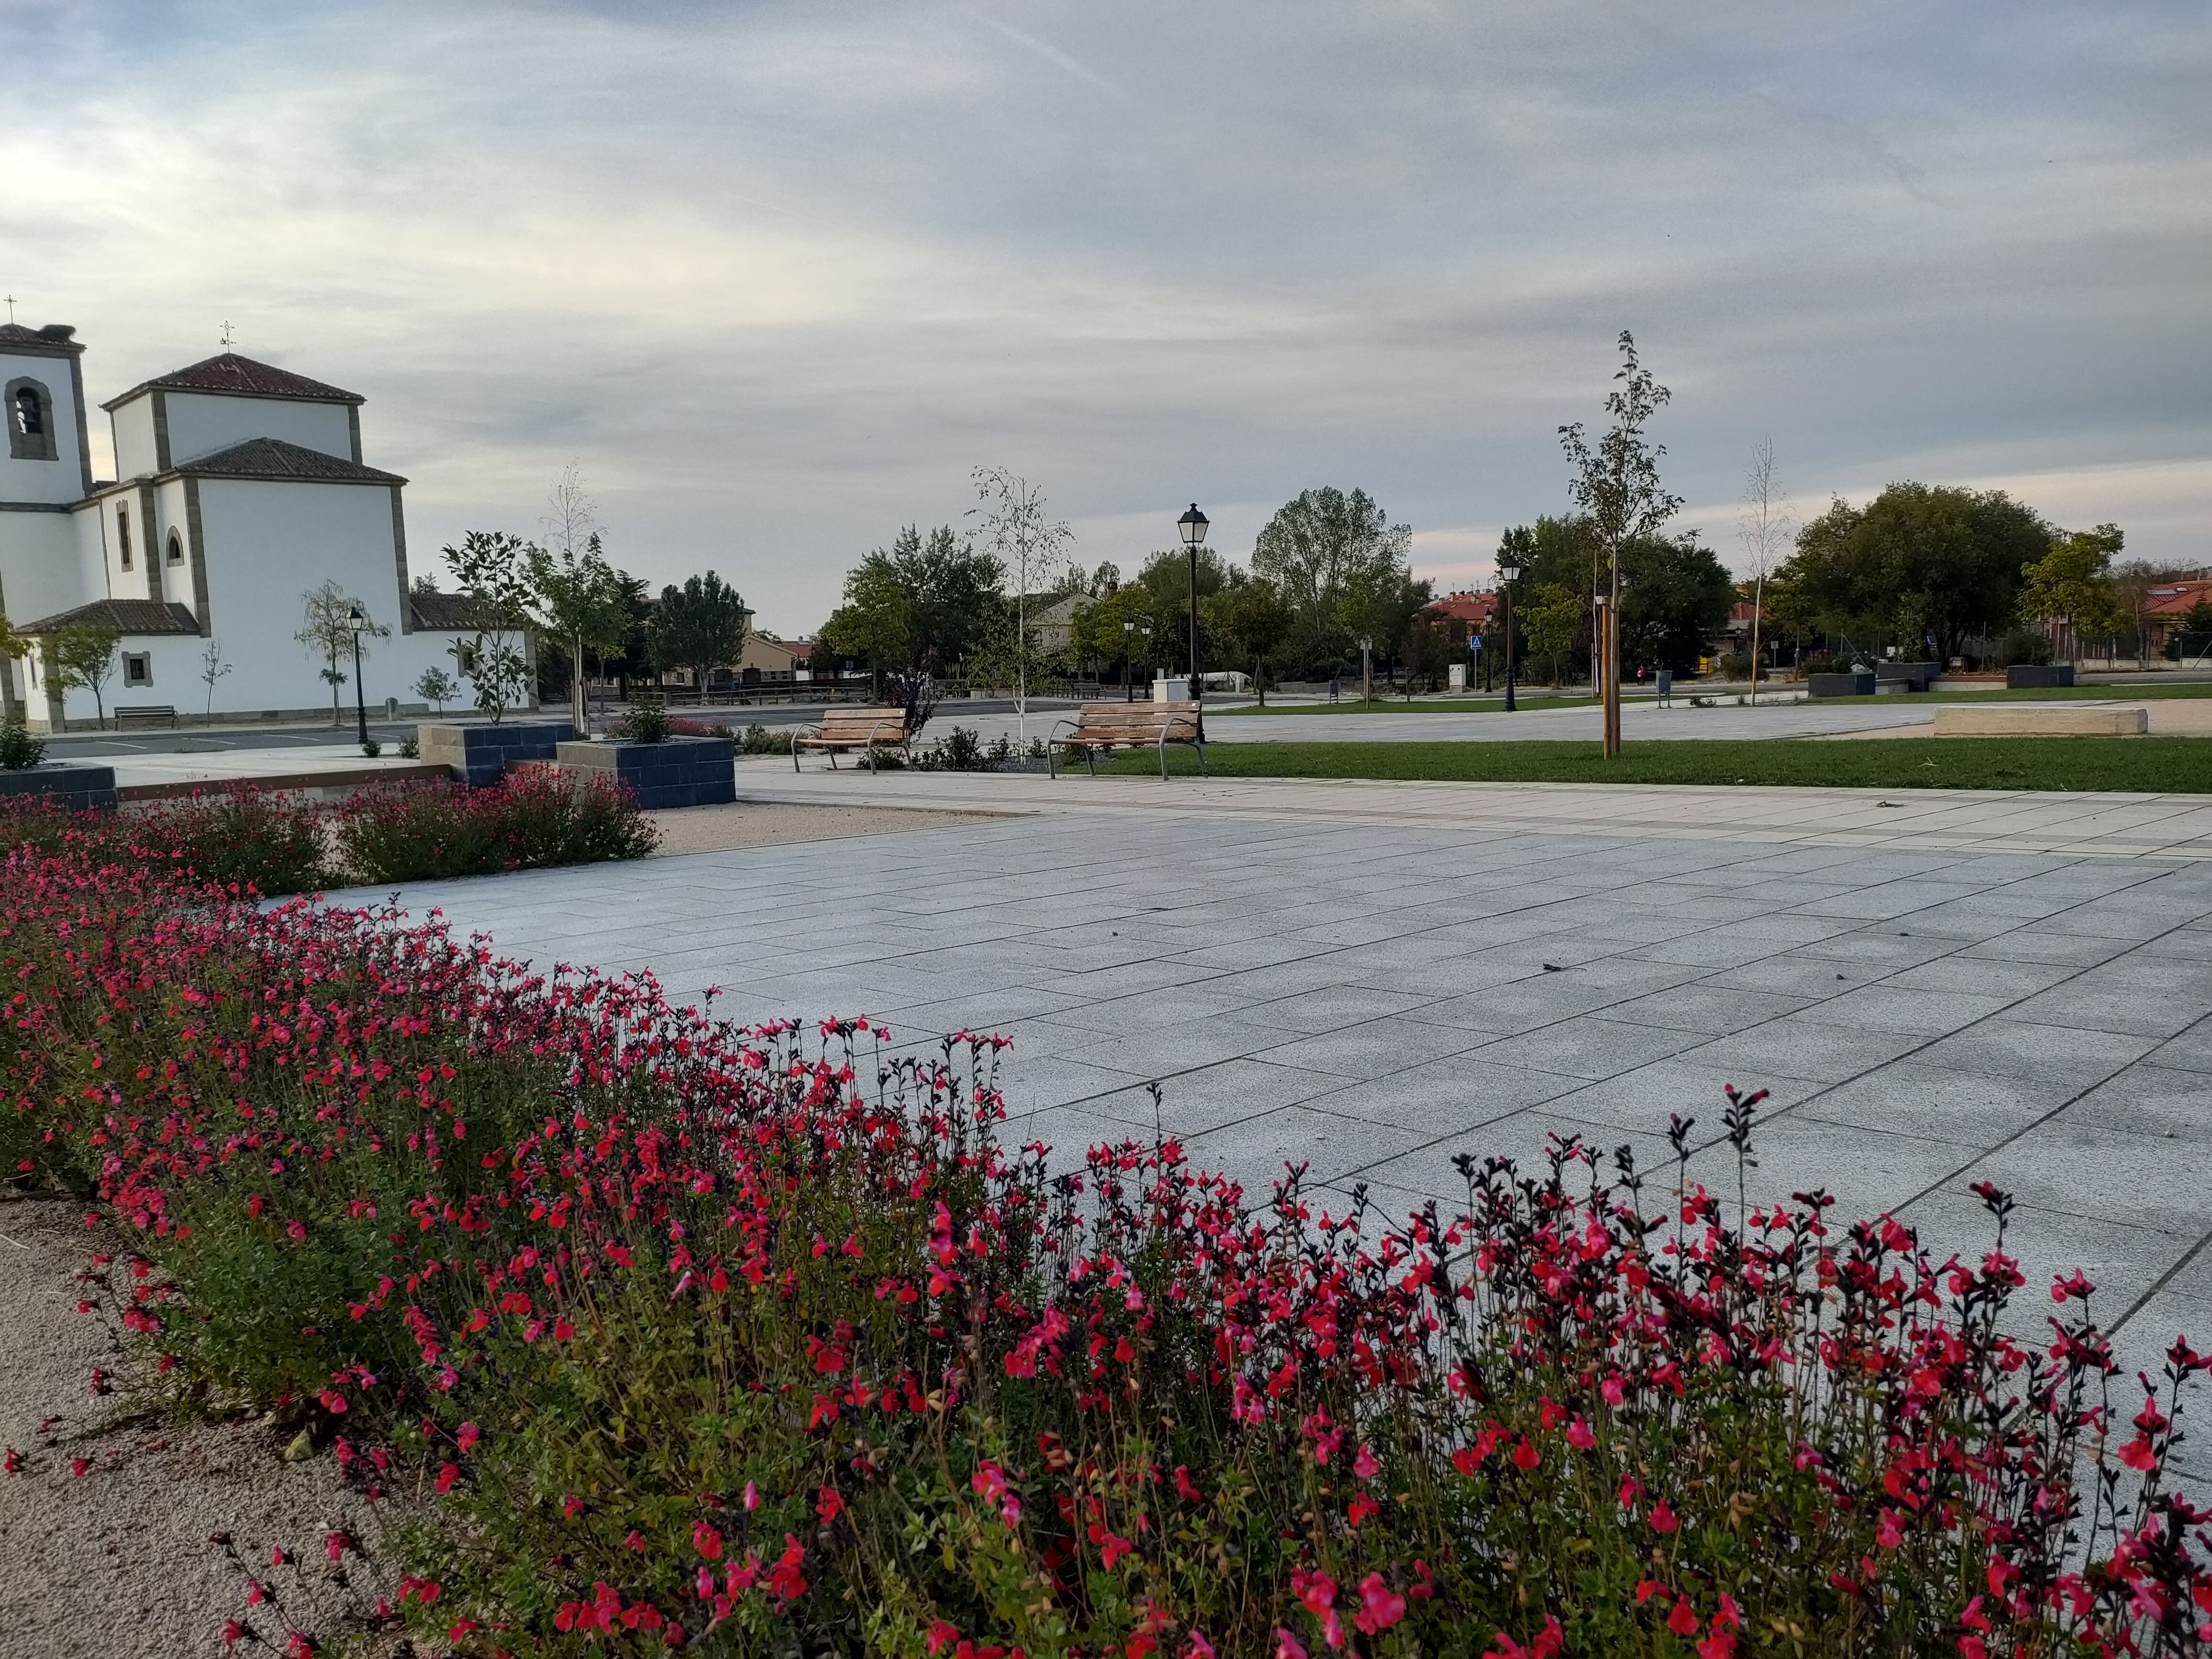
{"x":1379,"y":1606}
{"x":707,"y":1540}
{"x":448,"y":1474}
{"x":1663,"y":1518}
{"x":1683,"y":1621}
{"x":80,"y":1467}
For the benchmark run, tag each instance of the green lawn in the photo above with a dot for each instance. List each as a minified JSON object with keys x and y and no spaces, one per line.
{"x":2151,"y":764}
{"x":2133,"y":693}
{"x":1726,"y":694}
{"x":1398,"y":706}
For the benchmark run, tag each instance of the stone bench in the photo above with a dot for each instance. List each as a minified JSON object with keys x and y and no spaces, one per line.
{"x":2095,"y":721}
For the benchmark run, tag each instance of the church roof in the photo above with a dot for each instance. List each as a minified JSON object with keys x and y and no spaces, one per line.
{"x":272,"y":457}
{"x":51,"y":341}
{"x":240,"y":377}
{"x":123,"y":616}
{"x":452,"y":613}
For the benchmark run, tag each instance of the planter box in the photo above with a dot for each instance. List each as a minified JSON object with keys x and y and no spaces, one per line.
{"x":680,"y":772}
{"x":67,"y":783}
{"x":2027,"y":676}
{"x":477,"y":755}
{"x":1839,"y":685}
{"x":1913,"y":676}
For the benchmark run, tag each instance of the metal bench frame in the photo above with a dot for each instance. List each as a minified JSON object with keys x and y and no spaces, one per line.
{"x":144,"y":715}
{"x":1168,"y":716}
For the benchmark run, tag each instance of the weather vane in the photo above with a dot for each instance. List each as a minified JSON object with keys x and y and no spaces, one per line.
{"x":228,"y":339}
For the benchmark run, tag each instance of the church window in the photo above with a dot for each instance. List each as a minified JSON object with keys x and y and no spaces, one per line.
{"x":123,"y":534}
{"x":176,"y":548}
{"x":138,"y":668}
{"x":30,"y":409}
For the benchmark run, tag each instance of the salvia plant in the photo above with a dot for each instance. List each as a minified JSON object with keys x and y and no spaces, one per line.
{"x":761,"y":1341}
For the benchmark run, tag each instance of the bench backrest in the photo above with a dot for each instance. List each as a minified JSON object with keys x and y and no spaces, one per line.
{"x":1145,"y":717}
{"x":858,"y":724}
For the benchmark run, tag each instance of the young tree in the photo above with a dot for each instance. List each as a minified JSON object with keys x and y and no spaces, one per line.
{"x":84,"y":655}
{"x":436,"y":686}
{"x":212,"y":668}
{"x":2072,"y":585}
{"x":492,"y":569}
{"x":1617,"y":484}
{"x":1551,"y":621}
{"x":13,"y":645}
{"x":325,"y":629}
{"x":699,"y":626}
{"x":1026,"y":543}
{"x":1763,"y":531}
{"x":579,"y":601}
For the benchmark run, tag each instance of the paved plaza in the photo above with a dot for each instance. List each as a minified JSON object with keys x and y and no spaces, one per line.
{"x":1371,"y":997}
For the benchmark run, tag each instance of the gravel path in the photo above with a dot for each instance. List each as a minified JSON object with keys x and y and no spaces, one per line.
{"x":116,"y":1563}
{"x":765,"y":824}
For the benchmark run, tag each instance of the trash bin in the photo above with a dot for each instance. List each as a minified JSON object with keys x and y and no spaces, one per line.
{"x":1666,"y":680}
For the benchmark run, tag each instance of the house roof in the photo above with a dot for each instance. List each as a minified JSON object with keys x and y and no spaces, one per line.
{"x":123,"y":616}
{"x":51,"y":341}
{"x":272,"y":457}
{"x":2173,"y":597}
{"x":240,"y":377}
{"x":1462,"y":607}
{"x":452,"y":613}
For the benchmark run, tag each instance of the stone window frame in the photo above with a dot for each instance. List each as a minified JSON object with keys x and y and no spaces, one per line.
{"x":44,"y":445}
{"x":142,"y":663}
{"x":123,"y":532}
{"x":175,"y":553}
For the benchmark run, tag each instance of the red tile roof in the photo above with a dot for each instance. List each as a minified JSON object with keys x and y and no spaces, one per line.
{"x":2174,"y":597}
{"x":240,"y":377}
{"x":51,"y":341}
{"x":1462,"y":607}
{"x":123,"y":616}
{"x":272,"y":457}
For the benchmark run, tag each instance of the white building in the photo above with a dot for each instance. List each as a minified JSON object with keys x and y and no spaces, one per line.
{"x":241,"y":489}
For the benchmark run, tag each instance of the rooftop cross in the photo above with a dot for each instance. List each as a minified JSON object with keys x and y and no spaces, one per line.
{"x":230,"y":340}
{"x":11,"y":308}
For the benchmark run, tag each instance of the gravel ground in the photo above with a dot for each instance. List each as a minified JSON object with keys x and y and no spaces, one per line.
{"x":763,"y":824}
{"x":116,"y":1563}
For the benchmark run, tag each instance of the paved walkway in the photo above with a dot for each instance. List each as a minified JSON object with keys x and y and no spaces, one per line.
{"x":2085,"y":824}
{"x":1371,"y":993}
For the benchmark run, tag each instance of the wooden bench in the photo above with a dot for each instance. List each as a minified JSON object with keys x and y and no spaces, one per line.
{"x":1099,"y":725}
{"x":866,"y":729}
{"x":144,"y":714}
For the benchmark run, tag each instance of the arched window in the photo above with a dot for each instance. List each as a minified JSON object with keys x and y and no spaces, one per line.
{"x":30,"y":422}
{"x":176,"y":548}
{"x":123,"y":532}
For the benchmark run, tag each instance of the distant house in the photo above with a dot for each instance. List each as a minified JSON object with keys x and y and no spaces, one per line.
{"x":1052,"y":620}
{"x":2167,"y":603}
{"x":1465,"y":614}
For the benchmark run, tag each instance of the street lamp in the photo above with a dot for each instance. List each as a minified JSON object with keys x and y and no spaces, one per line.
{"x":1129,"y":639}
{"x":356,"y":624}
{"x":1508,"y":570}
{"x":1193,"y":526}
{"x":1366,"y":667}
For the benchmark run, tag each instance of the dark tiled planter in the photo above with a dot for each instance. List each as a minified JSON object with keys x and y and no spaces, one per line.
{"x":1839,"y":685}
{"x":2032,"y":676}
{"x":66,"y":783}
{"x":478,"y":754}
{"x":1913,"y":676}
{"x":679,"y":772}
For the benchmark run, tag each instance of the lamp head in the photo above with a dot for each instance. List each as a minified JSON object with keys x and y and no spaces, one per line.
{"x":1507,"y":570}
{"x":355,"y":619}
{"x":1192,"y":525}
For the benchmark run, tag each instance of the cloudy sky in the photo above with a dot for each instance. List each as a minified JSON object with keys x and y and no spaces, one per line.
{"x":778,"y":276}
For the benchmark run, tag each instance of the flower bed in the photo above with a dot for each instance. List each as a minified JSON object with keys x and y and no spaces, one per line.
{"x":758,"y":1340}
{"x":274,"y":843}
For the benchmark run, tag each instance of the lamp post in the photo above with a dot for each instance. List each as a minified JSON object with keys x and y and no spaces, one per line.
{"x":1192,"y":525}
{"x":1507,"y":570}
{"x":1366,"y":667}
{"x":356,"y":620}
{"x":1129,"y":639}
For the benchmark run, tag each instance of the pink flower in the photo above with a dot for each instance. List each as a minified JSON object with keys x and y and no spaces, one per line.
{"x":468,"y":1436}
{"x":1379,"y":1606}
{"x":80,"y":1467}
{"x":1662,"y":1517}
{"x":752,"y":1497}
{"x":1288,"y":1646}
{"x":707,"y":1540}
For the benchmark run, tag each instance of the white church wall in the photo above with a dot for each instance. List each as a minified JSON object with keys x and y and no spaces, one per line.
{"x":172,"y":519}
{"x":201,"y":425}
{"x":59,"y":480}
{"x":136,"y":455}
{"x":268,"y":544}
{"x":38,"y":572}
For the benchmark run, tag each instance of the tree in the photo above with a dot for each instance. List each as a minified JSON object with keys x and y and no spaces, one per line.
{"x":12,"y":647}
{"x":1617,"y":484}
{"x":325,"y":629}
{"x":1255,"y":623}
{"x":2072,"y":584}
{"x":876,"y":621}
{"x":84,"y":655}
{"x":1551,"y":620}
{"x":920,"y":608}
{"x":492,"y":569}
{"x":1762,"y":529}
{"x":1927,"y":567}
{"x":1025,"y":542}
{"x":212,"y":668}
{"x":579,"y":601}
{"x":436,"y":686}
{"x":699,"y":626}
{"x":1320,"y":548}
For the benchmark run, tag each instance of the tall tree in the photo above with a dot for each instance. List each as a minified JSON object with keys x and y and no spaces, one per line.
{"x":579,"y":601}
{"x":1027,"y":543}
{"x":2072,"y":585}
{"x":1331,"y":553}
{"x":1256,"y":623}
{"x":699,"y":626}
{"x":1924,"y":567}
{"x":492,"y":567}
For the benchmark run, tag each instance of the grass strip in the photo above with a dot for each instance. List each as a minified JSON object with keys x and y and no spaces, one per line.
{"x":2149,"y":765}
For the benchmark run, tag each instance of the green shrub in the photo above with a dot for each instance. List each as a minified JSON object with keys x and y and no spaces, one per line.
{"x":529,"y":820}
{"x":19,"y":749}
{"x":648,"y":721}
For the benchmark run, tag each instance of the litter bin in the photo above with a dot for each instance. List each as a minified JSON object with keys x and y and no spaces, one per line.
{"x":1666,"y":679}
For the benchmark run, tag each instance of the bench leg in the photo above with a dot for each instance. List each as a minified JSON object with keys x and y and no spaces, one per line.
{"x":1201,"y":760}
{"x":1090,"y":758}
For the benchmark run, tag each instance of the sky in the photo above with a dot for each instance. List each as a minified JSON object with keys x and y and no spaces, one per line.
{"x":779,"y":277}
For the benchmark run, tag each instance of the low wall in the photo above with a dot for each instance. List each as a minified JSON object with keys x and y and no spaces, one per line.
{"x":2027,"y":676}
{"x":477,"y":754}
{"x":69,"y":784}
{"x":1957,"y":720}
{"x":678,"y":772}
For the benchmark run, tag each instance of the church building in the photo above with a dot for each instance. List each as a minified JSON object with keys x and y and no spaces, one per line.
{"x":240,"y":490}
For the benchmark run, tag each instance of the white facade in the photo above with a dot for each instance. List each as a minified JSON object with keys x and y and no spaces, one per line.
{"x":242,"y":490}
